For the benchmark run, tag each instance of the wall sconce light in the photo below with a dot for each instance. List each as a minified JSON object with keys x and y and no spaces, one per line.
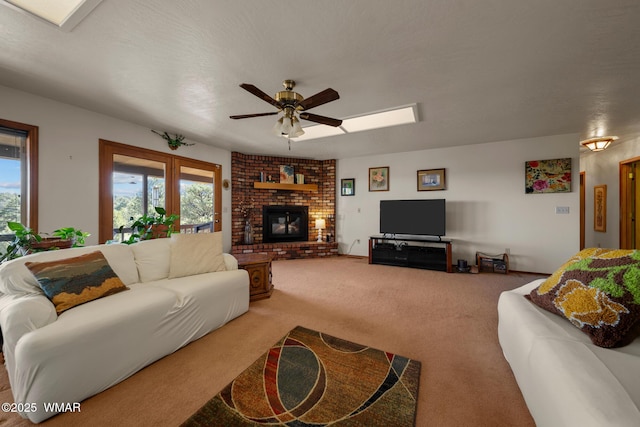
{"x":320,"y":225}
{"x":599,"y":143}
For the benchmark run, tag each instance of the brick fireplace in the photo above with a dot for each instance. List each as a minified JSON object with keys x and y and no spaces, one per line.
{"x":245,"y":171}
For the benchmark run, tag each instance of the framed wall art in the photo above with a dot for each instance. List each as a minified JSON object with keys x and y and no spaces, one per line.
{"x":348,"y":187}
{"x":379,"y":179}
{"x":431,"y":179}
{"x":548,"y":176}
{"x":600,"y":208}
{"x":286,"y":174}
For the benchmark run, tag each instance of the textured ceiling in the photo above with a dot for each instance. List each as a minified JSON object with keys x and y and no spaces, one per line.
{"x":479,"y":70}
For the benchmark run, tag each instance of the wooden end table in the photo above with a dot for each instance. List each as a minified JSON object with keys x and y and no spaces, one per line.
{"x":259,"y":268}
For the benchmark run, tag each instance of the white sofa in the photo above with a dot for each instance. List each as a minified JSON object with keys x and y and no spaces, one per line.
{"x":66,"y":358}
{"x":565,"y":379}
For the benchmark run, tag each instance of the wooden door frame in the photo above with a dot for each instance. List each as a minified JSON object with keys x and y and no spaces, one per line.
{"x":626,"y":203}
{"x":31,"y":147}
{"x":583,"y":184}
{"x":217,"y":179}
{"x":172,"y":199}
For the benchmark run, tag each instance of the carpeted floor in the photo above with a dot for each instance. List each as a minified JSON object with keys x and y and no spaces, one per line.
{"x":448,"y":322}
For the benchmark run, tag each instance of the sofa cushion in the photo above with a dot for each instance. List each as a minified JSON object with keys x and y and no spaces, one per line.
{"x":74,"y":281}
{"x":196,"y":253}
{"x":120,"y":258}
{"x":152,"y":258}
{"x":598,"y":291}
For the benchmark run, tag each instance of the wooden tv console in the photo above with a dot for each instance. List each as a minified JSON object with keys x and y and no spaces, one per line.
{"x":416,"y":252}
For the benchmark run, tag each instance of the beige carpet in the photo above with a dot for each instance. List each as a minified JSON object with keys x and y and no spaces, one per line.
{"x":446,"y":321}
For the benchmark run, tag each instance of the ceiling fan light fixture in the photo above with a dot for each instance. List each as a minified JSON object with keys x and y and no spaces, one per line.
{"x":296,"y":129}
{"x":277,"y":128}
{"x":291,"y":104}
{"x":599,"y":143}
{"x":286,"y":125}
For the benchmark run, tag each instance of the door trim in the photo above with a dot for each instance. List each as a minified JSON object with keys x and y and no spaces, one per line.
{"x":626,"y":203}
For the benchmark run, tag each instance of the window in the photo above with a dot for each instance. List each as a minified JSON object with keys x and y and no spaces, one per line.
{"x":133,"y":181}
{"x":18,"y":177}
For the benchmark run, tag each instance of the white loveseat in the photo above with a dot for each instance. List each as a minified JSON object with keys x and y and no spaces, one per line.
{"x":66,"y":358}
{"x":565,"y":379}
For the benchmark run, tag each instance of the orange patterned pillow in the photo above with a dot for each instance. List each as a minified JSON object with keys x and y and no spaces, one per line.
{"x":598,"y":291}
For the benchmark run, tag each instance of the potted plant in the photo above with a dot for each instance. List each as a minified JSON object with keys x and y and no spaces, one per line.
{"x":152,"y":226}
{"x":174,"y":142}
{"x":77,"y":237}
{"x":27,"y":241}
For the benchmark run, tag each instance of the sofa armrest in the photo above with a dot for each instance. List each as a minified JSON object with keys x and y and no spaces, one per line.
{"x":20,"y":315}
{"x":230,"y":262}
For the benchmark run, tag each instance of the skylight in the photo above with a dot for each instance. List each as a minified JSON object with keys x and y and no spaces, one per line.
{"x":377,"y":120}
{"x":65,"y":14}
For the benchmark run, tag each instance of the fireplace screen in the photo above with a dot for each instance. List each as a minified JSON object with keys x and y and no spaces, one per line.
{"x":285,"y":224}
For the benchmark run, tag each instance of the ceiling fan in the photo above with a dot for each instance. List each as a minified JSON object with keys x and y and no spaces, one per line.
{"x":290,"y":103}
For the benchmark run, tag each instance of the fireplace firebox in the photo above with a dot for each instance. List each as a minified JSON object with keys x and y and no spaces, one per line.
{"x":285,"y":224}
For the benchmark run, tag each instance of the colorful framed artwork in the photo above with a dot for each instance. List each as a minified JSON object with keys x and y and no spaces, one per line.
{"x":600,"y":208}
{"x":431,"y":179}
{"x":379,"y":179}
{"x":348,"y":187}
{"x":548,"y":176}
{"x":286,"y":174}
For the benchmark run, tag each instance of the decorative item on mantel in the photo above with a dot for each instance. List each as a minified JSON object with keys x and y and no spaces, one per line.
{"x":286,"y":174}
{"x":174,"y":141}
{"x":320,"y":225}
{"x":246,"y":209}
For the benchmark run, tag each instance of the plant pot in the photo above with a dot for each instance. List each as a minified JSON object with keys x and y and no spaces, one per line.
{"x":47,"y":244}
{"x":159,"y":231}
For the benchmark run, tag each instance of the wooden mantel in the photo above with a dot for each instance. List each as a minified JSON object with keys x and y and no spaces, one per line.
{"x":291,"y":187}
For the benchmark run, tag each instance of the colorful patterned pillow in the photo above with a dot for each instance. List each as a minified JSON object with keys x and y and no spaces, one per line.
{"x":598,"y":291}
{"x":73,"y":281}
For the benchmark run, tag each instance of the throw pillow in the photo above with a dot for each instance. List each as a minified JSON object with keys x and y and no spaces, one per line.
{"x":196,"y":253}
{"x":598,"y":291}
{"x":73,"y":281}
{"x":152,"y":259}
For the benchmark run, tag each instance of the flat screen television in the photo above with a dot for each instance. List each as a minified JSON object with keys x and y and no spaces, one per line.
{"x":416,"y":217}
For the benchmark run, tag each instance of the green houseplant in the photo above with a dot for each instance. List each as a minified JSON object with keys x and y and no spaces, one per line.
{"x":152,"y":226}
{"x":174,"y":142}
{"x":27,"y":241}
{"x":77,"y":237}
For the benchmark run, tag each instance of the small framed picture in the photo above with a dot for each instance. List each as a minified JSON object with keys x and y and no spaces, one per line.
{"x":348,"y":187}
{"x":379,"y":179}
{"x":431,"y":179}
{"x":600,"y":208}
{"x":286,"y":174}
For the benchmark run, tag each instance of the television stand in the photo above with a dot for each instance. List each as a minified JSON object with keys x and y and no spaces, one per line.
{"x":416,"y":252}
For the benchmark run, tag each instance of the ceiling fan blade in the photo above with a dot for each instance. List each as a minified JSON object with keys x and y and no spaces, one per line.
{"x":248,"y":116}
{"x":260,"y":94}
{"x":319,"y":98}
{"x":321,"y":119}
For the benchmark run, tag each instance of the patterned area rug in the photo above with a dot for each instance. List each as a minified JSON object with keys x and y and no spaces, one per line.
{"x":312,"y":379}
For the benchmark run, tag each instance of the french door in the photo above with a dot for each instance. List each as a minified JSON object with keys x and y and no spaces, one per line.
{"x":134,"y":181}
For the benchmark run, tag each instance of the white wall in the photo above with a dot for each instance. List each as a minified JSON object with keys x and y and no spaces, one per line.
{"x":604,"y":168}
{"x":487,"y":208}
{"x":68,"y":153}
